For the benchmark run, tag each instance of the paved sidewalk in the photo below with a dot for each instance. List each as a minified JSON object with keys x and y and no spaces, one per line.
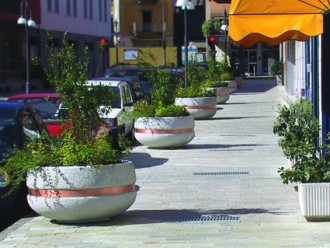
{"x":221,"y":190}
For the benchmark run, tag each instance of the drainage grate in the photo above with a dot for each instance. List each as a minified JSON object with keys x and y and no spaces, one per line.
{"x":223,"y":173}
{"x":232,"y":150}
{"x":201,"y":218}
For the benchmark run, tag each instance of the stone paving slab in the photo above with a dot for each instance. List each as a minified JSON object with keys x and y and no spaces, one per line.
{"x":221,"y":190}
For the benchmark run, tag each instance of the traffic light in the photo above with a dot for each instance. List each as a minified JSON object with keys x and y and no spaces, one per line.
{"x":211,"y":42}
{"x":102,"y":41}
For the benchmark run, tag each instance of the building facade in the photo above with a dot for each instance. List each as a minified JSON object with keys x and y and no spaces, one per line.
{"x":253,"y":61}
{"x":83,"y":21}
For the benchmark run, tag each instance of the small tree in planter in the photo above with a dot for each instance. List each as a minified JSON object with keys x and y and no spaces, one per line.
{"x":298,"y":132}
{"x":196,"y":97}
{"x":161,"y":124}
{"x":215,"y":80}
{"x":276,"y":70}
{"x":75,"y":178}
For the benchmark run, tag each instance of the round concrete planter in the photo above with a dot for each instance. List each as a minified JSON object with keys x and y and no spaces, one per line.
{"x":222,"y":94}
{"x":199,"y":107}
{"x":232,"y":86}
{"x":239,"y":81}
{"x":82,"y":194}
{"x":164,"y":132}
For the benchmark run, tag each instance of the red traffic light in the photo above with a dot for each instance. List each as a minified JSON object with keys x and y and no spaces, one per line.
{"x":212,"y":38}
{"x":102,"y":41}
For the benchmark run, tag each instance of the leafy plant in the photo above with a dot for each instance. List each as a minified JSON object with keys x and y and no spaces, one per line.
{"x":211,"y":26}
{"x":214,"y":84}
{"x":162,"y":96}
{"x":196,"y":83}
{"x":299,"y":131}
{"x":82,"y":142}
{"x":276,"y":68}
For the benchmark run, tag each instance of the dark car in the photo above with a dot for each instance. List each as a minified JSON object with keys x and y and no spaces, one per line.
{"x":134,"y":84}
{"x":47,"y":105}
{"x":18,"y":124}
{"x":133,"y":72}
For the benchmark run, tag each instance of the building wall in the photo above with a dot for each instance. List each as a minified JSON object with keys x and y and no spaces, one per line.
{"x":171,"y":55}
{"x":92,"y":17}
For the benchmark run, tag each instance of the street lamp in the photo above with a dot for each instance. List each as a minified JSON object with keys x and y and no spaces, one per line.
{"x":185,"y":4}
{"x":30,"y":23}
{"x":224,"y":27}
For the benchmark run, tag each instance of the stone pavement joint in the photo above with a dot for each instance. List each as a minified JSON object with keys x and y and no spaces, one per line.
{"x":220,"y":190}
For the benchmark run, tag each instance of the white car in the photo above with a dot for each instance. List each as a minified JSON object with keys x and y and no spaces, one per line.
{"x":122,"y":103}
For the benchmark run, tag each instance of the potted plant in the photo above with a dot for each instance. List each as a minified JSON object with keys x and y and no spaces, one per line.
{"x":196,"y":97}
{"x":214,"y":80}
{"x":161,"y":124}
{"x":211,"y":26}
{"x":298,"y":132}
{"x":81,"y":176}
{"x":276,"y":70}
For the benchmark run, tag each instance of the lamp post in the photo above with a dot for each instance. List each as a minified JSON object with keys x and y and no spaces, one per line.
{"x":224,"y":27}
{"x":163,"y":32}
{"x":185,"y":4}
{"x":116,"y":34}
{"x":30,"y":23}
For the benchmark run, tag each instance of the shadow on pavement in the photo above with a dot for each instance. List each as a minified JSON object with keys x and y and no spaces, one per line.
{"x":140,"y":217}
{"x":144,"y":160}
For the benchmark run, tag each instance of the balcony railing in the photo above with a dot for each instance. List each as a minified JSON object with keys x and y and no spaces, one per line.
{"x":155,"y":28}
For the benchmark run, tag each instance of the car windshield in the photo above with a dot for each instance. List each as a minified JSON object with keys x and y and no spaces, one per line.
{"x":116,"y":101}
{"x":129,"y":72}
{"x":9,"y":134}
{"x":46,"y":107}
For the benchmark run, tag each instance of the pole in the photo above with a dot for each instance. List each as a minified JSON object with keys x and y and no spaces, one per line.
{"x":163,"y":26}
{"x":27,"y":85}
{"x":185,"y":49}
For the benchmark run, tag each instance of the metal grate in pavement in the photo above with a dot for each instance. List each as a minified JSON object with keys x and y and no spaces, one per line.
{"x":221,"y":173}
{"x":201,"y":218}
{"x":232,"y":150}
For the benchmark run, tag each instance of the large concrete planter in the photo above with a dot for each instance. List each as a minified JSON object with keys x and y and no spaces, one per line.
{"x":239,"y":81}
{"x":222,"y":94}
{"x":164,"y":132}
{"x":314,"y":201}
{"x":199,"y":107}
{"x":81,"y":194}
{"x":232,"y":86}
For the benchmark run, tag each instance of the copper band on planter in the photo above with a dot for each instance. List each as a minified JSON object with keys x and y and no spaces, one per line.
{"x":164,"y":131}
{"x":222,"y":94}
{"x":200,"y":107}
{"x":58,"y":193}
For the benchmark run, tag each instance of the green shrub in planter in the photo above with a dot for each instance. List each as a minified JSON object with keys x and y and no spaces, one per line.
{"x":298,"y":132}
{"x":81,"y":144}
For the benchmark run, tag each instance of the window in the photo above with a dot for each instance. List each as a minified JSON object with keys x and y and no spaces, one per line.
{"x":146,"y":19}
{"x":105,"y":11}
{"x":68,"y":7}
{"x":91,"y":9}
{"x":74,"y":8}
{"x":30,"y":128}
{"x":100,"y":11}
{"x":49,"y":6}
{"x":85,"y":9}
{"x":57,"y":6}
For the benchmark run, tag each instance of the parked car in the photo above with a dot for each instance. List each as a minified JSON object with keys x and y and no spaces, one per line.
{"x":47,"y":105}
{"x":123,"y":102}
{"x":133,"y":72}
{"x":18,"y":124}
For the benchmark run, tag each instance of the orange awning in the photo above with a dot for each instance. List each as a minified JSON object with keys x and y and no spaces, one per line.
{"x":274,"y":21}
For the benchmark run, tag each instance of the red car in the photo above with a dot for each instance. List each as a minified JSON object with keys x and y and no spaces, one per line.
{"x":47,"y":105}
